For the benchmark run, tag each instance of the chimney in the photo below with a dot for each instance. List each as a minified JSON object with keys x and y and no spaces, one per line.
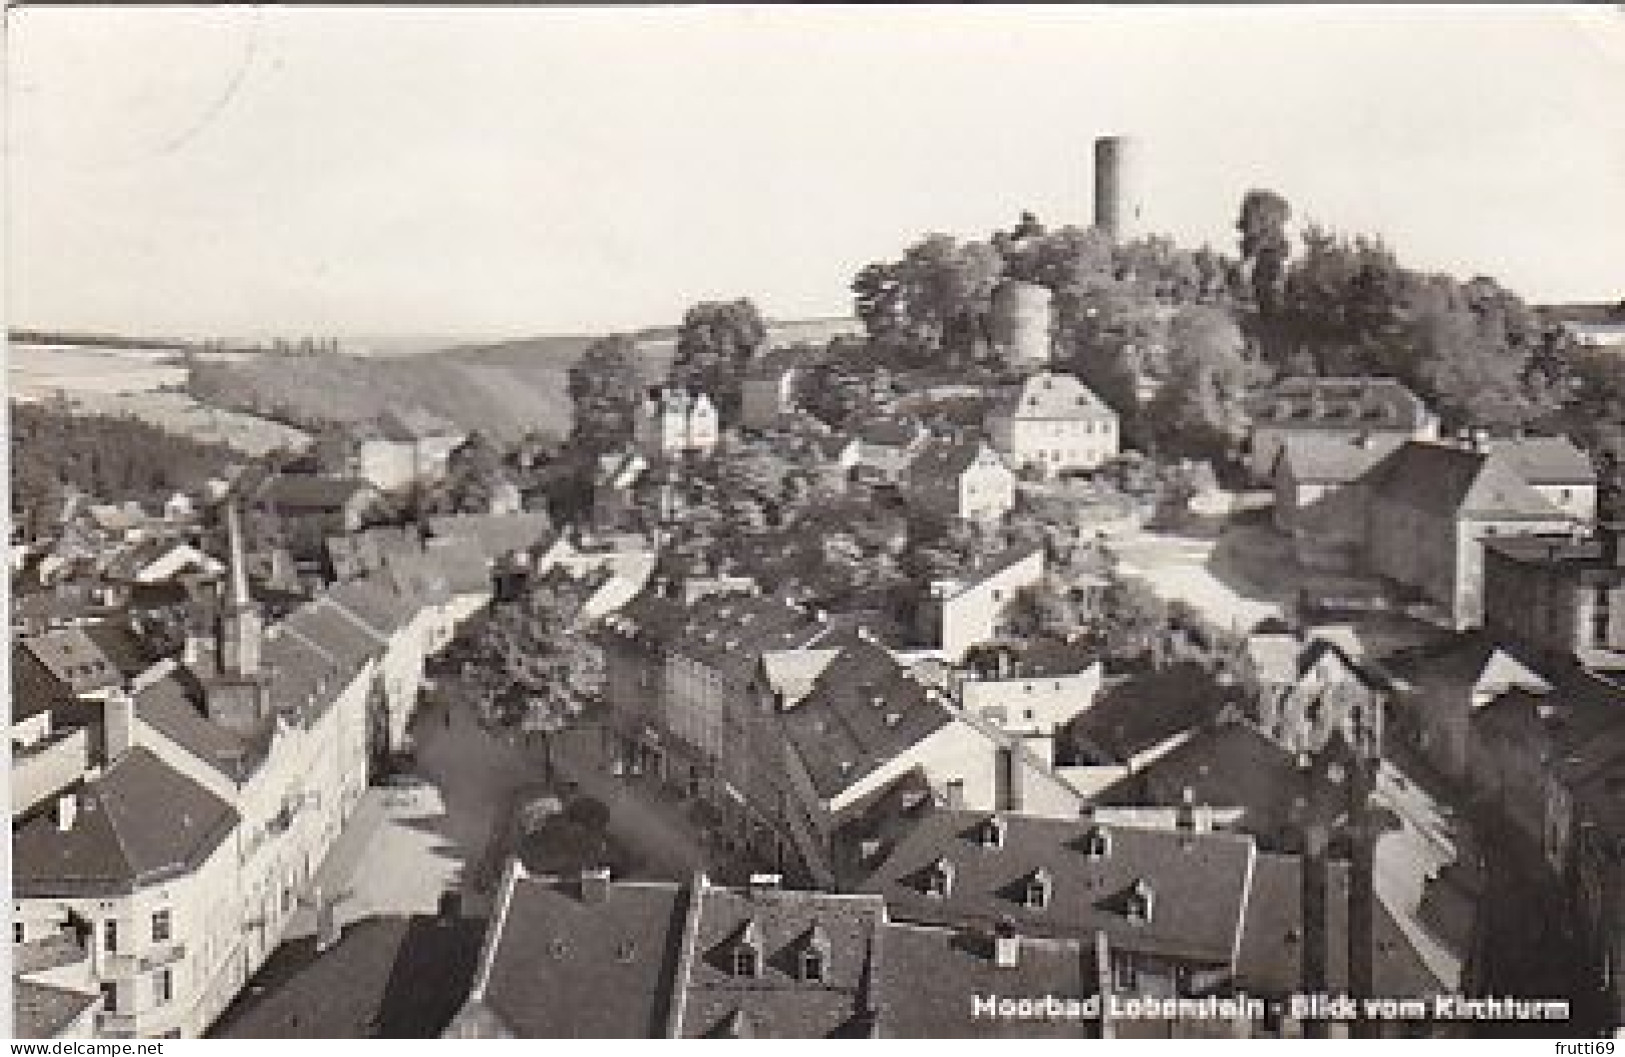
{"x":118,"y":722}
{"x":67,"y":811}
{"x":1006,"y":945}
{"x":595,"y":884}
{"x":1185,"y":816}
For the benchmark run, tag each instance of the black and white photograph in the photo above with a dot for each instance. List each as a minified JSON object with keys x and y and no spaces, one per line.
{"x":929,"y":521}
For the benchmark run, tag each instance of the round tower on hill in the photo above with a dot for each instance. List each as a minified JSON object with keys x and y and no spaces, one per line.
{"x":1119,"y":211}
{"x":1022,"y":320}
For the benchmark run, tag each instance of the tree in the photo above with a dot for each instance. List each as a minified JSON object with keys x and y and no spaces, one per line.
{"x":604,"y":387}
{"x":714,"y":347}
{"x":1264,"y":245}
{"x":933,"y":302}
{"x":1200,"y":409}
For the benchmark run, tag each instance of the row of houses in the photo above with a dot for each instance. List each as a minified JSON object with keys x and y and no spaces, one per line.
{"x":171,"y":811}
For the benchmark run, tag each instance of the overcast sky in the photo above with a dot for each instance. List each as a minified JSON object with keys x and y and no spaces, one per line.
{"x":509,"y":171}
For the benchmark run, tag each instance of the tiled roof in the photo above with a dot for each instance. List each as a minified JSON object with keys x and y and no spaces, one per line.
{"x":34,"y":689}
{"x":777,"y":1003}
{"x":1451,"y":481}
{"x":862,"y":712}
{"x":1340,"y":403}
{"x":1270,"y":962}
{"x":73,"y":659}
{"x":129,"y":653}
{"x":1049,"y":396}
{"x":498,"y":535}
{"x":890,"y":432}
{"x":43,"y":1010}
{"x":730,"y":633}
{"x":376,"y":603}
{"x":1198,"y":880}
{"x":304,"y":680}
{"x":334,"y":632}
{"x":927,"y":975}
{"x":1316,"y":458}
{"x":166,"y":707}
{"x":1545,"y":460}
{"x":560,"y":967}
{"x":942,"y":462}
{"x":310,"y":492}
{"x":462,"y":564}
{"x":139,"y":824}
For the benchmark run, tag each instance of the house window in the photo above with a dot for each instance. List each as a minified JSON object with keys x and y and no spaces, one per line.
{"x":19,"y":932}
{"x":110,"y":998}
{"x":812,"y":966}
{"x":747,"y":961}
{"x":161,"y":926}
{"x":940,"y":879}
{"x":110,"y":936}
{"x":163,"y":986}
{"x":1601,"y":617}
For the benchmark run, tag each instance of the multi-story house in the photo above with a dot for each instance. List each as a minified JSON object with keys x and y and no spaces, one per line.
{"x":973,"y":609}
{"x":886,"y":446}
{"x":960,"y":480}
{"x":1333,"y":408}
{"x":1561,"y":596}
{"x":1319,"y":499}
{"x":407,"y":447}
{"x":673,"y":422}
{"x":215,"y":784}
{"x":1430,"y":508}
{"x":1052,"y":423}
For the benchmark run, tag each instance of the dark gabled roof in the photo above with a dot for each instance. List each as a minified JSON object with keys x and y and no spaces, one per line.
{"x":1450,"y":481}
{"x":942,"y":462}
{"x":863,"y":711}
{"x":41,"y":1011}
{"x":1228,"y":765}
{"x":1131,"y":717}
{"x":34,"y":689}
{"x":498,"y":535}
{"x":140,"y":824}
{"x":1340,"y":403}
{"x":166,"y":707}
{"x":777,"y":1004}
{"x":1199,"y":881}
{"x":1317,"y":458}
{"x":926,"y":975}
{"x":556,"y":966}
{"x":1545,"y":460}
{"x":310,"y":492}
{"x":130,"y":654}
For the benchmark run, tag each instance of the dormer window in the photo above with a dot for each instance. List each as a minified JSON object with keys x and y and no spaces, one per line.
{"x":747,"y":952}
{"x":1097,"y":843}
{"x":939,"y":879}
{"x":992,"y":832}
{"x":1040,"y":886}
{"x":813,"y":958}
{"x":1141,"y":902}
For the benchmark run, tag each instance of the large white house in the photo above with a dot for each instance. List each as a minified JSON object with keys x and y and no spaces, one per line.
{"x":1051,"y":423}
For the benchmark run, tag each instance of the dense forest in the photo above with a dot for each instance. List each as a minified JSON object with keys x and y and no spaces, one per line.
{"x":111,"y":459}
